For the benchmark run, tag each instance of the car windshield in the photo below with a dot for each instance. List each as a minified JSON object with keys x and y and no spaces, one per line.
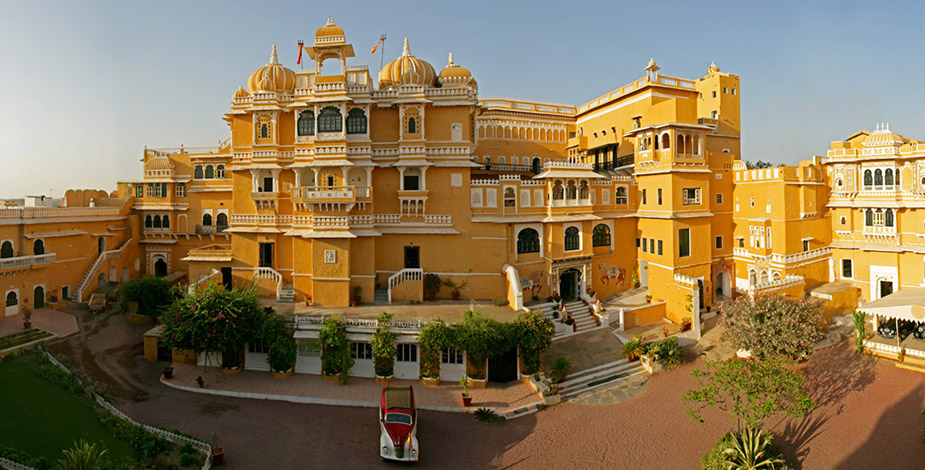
{"x":399,"y":418}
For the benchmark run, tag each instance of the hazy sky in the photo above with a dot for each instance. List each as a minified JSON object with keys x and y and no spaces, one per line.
{"x":85,"y":86}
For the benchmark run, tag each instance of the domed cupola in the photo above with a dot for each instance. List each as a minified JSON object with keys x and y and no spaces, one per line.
{"x":407,"y":70}
{"x":330,"y":33}
{"x":241,"y":92}
{"x":453,"y":75}
{"x":272,"y":77}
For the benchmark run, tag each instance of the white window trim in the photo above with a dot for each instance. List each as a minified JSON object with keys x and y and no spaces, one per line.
{"x":539,"y":230}
{"x":581,"y":241}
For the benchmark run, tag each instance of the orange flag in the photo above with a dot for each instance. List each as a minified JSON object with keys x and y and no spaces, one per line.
{"x":376,"y":47}
{"x":301,"y":44}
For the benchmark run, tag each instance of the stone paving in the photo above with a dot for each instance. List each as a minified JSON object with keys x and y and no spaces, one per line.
{"x":586,"y":350}
{"x":53,"y":321}
{"x":310,"y":388}
{"x":612,"y":394}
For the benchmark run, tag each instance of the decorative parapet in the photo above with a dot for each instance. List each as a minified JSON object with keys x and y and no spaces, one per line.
{"x":781,"y":284}
{"x":563,"y":164}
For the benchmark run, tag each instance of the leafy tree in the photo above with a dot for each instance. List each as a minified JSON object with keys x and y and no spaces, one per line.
{"x":151,"y":293}
{"x":384,"y":346}
{"x":749,"y":389}
{"x":535,"y":333}
{"x":84,"y":456}
{"x":859,"y":330}
{"x":434,"y":336}
{"x":213,"y":319}
{"x":757,"y":165}
{"x":483,"y":338}
{"x":772,"y":325}
{"x":336,"y":358}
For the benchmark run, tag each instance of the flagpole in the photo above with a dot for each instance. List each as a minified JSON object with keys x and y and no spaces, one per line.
{"x":382,"y":52}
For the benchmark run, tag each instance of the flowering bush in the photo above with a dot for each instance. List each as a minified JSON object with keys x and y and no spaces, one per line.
{"x":772,"y":325}
{"x":214,"y":319}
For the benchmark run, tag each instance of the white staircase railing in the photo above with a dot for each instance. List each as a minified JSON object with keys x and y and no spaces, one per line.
{"x":213,"y":273}
{"x":271,"y":274}
{"x":513,"y":279}
{"x":88,"y":276}
{"x":407,"y":274}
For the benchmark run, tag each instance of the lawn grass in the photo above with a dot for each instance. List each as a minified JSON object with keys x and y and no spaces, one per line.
{"x":41,"y":418}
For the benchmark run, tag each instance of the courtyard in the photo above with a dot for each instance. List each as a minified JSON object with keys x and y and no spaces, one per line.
{"x":867,"y":410}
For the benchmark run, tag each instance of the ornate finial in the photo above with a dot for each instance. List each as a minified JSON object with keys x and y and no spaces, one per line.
{"x":330,"y":21}
{"x":407,"y":51}
{"x":450,"y":63}
{"x":712,"y":68}
{"x":651,"y":67}
{"x":274,"y":59}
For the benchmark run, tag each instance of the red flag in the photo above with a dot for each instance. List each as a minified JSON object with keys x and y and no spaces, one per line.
{"x":300,"y":52}
{"x":376,"y":46}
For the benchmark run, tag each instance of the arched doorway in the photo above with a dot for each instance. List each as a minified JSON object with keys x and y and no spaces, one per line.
{"x":12,"y":303}
{"x":38,"y":296}
{"x":101,"y":281}
{"x":160,"y":267}
{"x":124,"y":274}
{"x":723,"y":286}
{"x":101,"y":245}
{"x":700,"y":291}
{"x":536,"y":165}
{"x":38,"y":247}
{"x":569,"y":281}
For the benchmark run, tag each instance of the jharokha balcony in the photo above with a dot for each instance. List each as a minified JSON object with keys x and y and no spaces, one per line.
{"x":265,"y":200}
{"x":330,"y":198}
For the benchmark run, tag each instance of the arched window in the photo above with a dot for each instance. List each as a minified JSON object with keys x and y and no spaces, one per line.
{"x":221,"y":220}
{"x":888,"y":177}
{"x":330,"y":120}
{"x":220,"y":171}
{"x":571,"y":190}
{"x":197,"y":173}
{"x":264,"y":131}
{"x":888,"y":217}
{"x":412,"y":126}
{"x":923,"y":181}
{"x":666,"y":141}
{"x":869,"y":218}
{"x":896,"y":181}
{"x":210,"y":172}
{"x":306,"y":123}
{"x":583,"y":191}
{"x":868,"y":178}
{"x":165,"y":221}
{"x":752,"y":278}
{"x":157,"y":221}
{"x":838,"y":183}
{"x":528,"y":241}
{"x":558,"y":191}
{"x":206,"y":220}
{"x":620,"y":197}
{"x":148,"y":223}
{"x":601,"y":235}
{"x":878,"y":177}
{"x":356,"y":121}
{"x":878,"y":217}
{"x":571,"y":239}
{"x":11,"y":299}
{"x":844,"y":220}
{"x":38,"y":247}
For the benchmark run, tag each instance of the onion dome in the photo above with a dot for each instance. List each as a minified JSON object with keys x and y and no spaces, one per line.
{"x":651,"y":67}
{"x":883,"y":137}
{"x":272,"y":77}
{"x":241,"y":92}
{"x":328,"y":30}
{"x":712,"y":68}
{"x":454,"y":75}
{"x":407,"y":70}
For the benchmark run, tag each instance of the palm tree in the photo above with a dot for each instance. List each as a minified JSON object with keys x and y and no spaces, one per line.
{"x":84,"y":456}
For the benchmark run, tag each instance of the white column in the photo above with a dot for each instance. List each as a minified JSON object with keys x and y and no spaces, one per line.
{"x":423,"y":183}
{"x":695,"y":313}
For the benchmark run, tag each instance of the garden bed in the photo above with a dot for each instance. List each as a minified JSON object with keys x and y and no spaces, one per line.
{"x":23,"y":337}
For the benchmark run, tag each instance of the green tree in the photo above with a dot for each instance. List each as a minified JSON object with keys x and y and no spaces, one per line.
{"x":434,"y":336}
{"x":214,"y":319}
{"x":384,"y":346}
{"x":749,"y":389}
{"x":859,"y":330}
{"x":151,"y":293}
{"x":483,"y":338}
{"x":336,"y":357}
{"x":757,"y":165}
{"x":84,"y":456}
{"x":534,"y":332}
{"x":772,"y":325}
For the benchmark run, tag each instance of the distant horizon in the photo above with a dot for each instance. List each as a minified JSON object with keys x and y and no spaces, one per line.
{"x":114,"y":78}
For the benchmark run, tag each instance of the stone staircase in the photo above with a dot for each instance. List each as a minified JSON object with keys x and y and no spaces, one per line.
{"x":382,"y":297}
{"x":581,"y":313}
{"x":604,"y":374}
{"x":286,"y":293}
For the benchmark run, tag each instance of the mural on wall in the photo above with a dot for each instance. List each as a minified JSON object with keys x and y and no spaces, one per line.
{"x":534,"y":282}
{"x":609,"y":272}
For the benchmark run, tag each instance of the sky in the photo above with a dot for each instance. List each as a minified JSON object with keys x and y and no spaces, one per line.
{"x":85,"y":86}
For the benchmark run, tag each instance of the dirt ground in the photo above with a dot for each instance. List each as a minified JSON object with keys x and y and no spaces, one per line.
{"x":869,"y":417}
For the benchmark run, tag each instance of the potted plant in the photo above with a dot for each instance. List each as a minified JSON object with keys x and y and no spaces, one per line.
{"x":434,"y":336}
{"x":231,"y":360}
{"x":467,"y":400}
{"x":384,"y":349}
{"x":635,"y":280}
{"x":902,"y":355}
{"x":308,"y":301}
{"x":356,"y":294}
{"x":26,"y":318}
{"x":218,"y":454}
{"x":648,"y":299}
{"x":633,"y":349}
{"x":591,"y":293}
{"x":432,"y":285}
{"x":455,"y":287}
{"x":559,"y":369}
{"x":168,"y":372}
{"x":282,"y":356}
{"x":556,"y":298}
{"x":664,"y":331}
{"x":336,"y":357}
{"x":685,"y":323}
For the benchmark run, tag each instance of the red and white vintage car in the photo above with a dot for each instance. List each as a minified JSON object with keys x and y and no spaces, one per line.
{"x":398,"y":424}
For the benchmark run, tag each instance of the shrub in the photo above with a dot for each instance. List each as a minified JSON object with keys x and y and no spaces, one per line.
{"x":560,"y":368}
{"x":670,"y":354}
{"x":384,"y":346}
{"x":772,"y":325}
{"x":336,"y":358}
{"x":84,"y":456}
{"x":433,"y":337}
{"x":170,"y":466}
{"x":187,"y":460}
{"x":500,"y":302}
{"x":633,"y":349}
{"x":151,"y":293}
{"x":534,"y":332}
{"x":483,"y":338}
{"x":715,"y":458}
{"x":752,"y":449}
{"x":38,"y":463}
{"x":282,"y":354}
{"x":859,"y":330}
{"x":432,"y":284}
{"x":187,"y":449}
{"x":486,"y":415}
